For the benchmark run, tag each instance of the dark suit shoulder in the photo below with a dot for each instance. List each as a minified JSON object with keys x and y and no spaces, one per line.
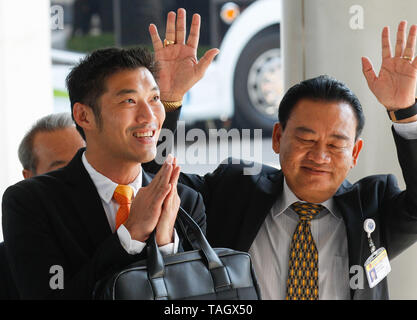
{"x":38,"y":187}
{"x":47,"y":179}
{"x":377,"y":182}
{"x":186,"y":192}
{"x":238,"y":166}
{"x":233,"y":170}
{"x":376,"y":178}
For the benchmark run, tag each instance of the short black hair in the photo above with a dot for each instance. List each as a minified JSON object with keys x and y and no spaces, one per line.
{"x":86,"y":82}
{"x":322,"y":88}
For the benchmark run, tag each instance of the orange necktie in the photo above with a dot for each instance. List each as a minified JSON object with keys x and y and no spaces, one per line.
{"x":123,"y":196}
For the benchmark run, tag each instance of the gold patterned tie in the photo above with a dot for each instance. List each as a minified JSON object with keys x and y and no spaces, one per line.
{"x":302,"y":283}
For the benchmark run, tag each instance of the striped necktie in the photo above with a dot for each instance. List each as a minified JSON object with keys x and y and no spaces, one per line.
{"x":123,"y":196}
{"x":302,"y":283}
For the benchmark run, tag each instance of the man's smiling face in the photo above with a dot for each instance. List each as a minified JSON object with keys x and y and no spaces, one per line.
{"x":317,"y":148}
{"x":131,"y":117}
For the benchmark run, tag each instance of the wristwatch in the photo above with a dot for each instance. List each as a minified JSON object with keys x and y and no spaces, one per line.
{"x":171,"y":105}
{"x":403,"y":113}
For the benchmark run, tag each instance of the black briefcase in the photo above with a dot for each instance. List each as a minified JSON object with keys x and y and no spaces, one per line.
{"x":204,"y":273}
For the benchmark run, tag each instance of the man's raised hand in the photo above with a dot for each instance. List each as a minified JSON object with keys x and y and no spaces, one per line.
{"x":395,"y":86}
{"x":179,"y":67}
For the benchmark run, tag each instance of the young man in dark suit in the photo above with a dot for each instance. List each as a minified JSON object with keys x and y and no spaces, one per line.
{"x":317,"y":139}
{"x":67,"y":229}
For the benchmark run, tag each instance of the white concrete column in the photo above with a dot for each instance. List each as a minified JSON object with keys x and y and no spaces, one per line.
{"x":25,"y":78}
{"x":330,"y":37}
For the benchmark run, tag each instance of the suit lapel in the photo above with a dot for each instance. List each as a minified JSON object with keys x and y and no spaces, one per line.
{"x":88,"y":204}
{"x":348,"y":201}
{"x":264,"y":195}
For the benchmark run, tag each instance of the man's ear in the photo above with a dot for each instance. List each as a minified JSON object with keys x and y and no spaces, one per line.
{"x":27,"y":173}
{"x":276,"y":137}
{"x":83,"y":116}
{"x":356,"y":150}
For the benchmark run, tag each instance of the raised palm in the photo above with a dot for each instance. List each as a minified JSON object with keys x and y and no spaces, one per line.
{"x":178,"y":64}
{"x":395,"y":86}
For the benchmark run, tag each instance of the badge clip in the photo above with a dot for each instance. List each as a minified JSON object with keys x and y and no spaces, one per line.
{"x":369,"y":227}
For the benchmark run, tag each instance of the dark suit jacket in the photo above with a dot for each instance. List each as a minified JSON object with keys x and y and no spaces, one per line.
{"x":8,"y":289}
{"x":58,"y":219}
{"x":237,"y":204}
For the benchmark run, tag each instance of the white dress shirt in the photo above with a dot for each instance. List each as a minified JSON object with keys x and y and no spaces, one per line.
{"x":406,"y":130}
{"x":105,"y":188}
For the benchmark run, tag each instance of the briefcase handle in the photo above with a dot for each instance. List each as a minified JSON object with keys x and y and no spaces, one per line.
{"x":156,"y":267}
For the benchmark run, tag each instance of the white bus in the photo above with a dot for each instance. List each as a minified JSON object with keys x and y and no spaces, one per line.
{"x":244,"y":83}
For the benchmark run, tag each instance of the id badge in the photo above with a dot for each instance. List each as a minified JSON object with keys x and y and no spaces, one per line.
{"x":377,"y":267}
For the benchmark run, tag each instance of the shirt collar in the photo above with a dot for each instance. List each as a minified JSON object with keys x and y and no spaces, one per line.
{"x":288,"y":198}
{"x":105,"y":187}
